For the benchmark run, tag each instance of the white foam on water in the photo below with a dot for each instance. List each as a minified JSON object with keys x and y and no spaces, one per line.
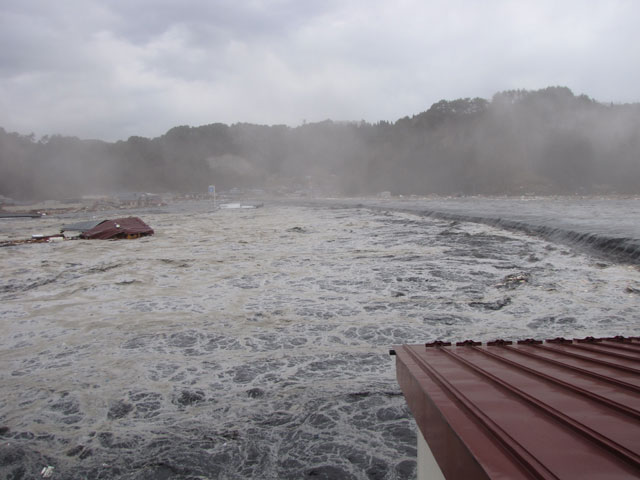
{"x":254,"y":343}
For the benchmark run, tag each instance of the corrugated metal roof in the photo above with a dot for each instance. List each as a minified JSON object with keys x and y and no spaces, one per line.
{"x":117,"y":228}
{"x":81,"y":226}
{"x":528,"y":409}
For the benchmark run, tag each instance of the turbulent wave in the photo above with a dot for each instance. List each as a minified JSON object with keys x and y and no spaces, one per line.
{"x":609,"y":227}
{"x":254,"y":343}
{"x":623,"y":249}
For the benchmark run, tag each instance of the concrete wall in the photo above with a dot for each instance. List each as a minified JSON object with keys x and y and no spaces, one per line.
{"x":428,"y":468}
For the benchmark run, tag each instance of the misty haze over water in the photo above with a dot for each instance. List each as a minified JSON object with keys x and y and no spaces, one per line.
{"x":548,"y":141}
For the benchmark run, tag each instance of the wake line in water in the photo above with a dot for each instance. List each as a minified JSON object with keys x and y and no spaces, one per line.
{"x":617,"y":238}
{"x":621,"y":249}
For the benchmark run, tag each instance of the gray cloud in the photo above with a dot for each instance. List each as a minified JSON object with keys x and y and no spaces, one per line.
{"x":111,"y":69}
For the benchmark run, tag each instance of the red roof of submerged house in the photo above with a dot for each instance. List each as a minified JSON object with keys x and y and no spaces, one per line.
{"x":118,"y":228}
{"x":557,"y":409}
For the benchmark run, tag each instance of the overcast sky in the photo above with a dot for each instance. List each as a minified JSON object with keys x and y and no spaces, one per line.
{"x":111,"y":69}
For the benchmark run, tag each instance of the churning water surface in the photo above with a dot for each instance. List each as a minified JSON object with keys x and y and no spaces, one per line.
{"x":254,"y":343}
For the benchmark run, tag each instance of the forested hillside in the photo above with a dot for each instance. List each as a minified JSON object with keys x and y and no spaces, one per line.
{"x":546,"y":141}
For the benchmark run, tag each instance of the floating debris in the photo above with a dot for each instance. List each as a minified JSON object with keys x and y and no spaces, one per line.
{"x":120,"y":228}
{"x":48,"y":238}
{"x":496,"y":305}
{"x":129,"y":228}
{"x":81,"y":226}
{"x":47,"y":472}
{"x":297,"y":230}
{"x":20,"y":215}
{"x":240,"y":205}
{"x":514,"y":280}
{"x":34,"y":239}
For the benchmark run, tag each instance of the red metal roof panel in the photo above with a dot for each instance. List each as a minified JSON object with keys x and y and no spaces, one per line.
{"x":559,"y":409}
{"x":117,"y":228}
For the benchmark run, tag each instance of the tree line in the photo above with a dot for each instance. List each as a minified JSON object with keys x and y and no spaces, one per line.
{"x":547,"y":141}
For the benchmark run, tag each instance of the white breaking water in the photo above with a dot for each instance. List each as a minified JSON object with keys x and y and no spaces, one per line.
{"x":254,"y":343}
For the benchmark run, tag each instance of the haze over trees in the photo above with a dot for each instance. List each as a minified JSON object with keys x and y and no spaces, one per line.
{"x":548,"y":141}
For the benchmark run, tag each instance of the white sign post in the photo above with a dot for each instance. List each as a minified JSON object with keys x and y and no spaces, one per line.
{"x":212,"y":192}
